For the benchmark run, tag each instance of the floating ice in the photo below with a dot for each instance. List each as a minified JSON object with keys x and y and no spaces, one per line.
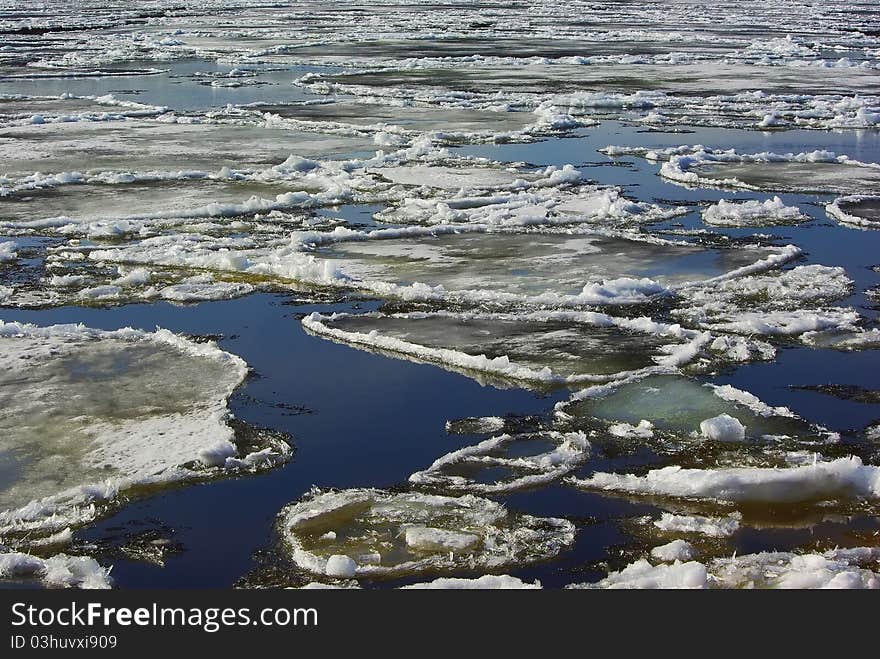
{"x":101,"y":403}
{"x":554,"y":455}
{"x":723,"y":428}
{"x":539,"y":347}
{"x":835,"y":569}
{"x":814,"y":171}
{"x":714,"y":527}
{"x":677,"y":550}
{"x":844,"y":478}
{"x":856,"y":210}
{"x":643,"y":430}
{"x":784,"y":302}
{"x":60,"y":571}
{"x":486,"y":582}
{"x":475,"y":265}
{"x":643,"y":575}
{"x":394,"y":535}
{"x":751,"y":213}
{"x":679,"y":406}
{"x":8,"y":252}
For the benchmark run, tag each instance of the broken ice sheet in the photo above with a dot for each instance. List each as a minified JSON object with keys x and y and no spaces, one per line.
{"x":856,"y":210}
{"x":394,"y":122}
{"x":570,"y":267}
{"x":88,"y":415}
{"x":538,"y":349}
{"x":525,"y":460}
{"x":678,"y":407}
{"x":561,"y":205}
{"x":149,"y":146}
{"x":851,"y":568}
{"x":815,"y":171}
{"x":774,"y":303}
{"x":107,"y":209}
{"x":368,"y":533}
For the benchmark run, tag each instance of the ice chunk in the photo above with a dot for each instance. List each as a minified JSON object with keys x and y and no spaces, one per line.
{"x":814,"y":171}
{"x":644,"y":430}
{"x":714,"y":527}
{"x":555,"y":454}
{"x":723,"y":428}
{"x":844,"y":478}
{"x":101,"y":404}
{"x":486,"y":582}
{"x":8,"y":251}
{"x":835,"y":569}
{"x":541,"y":347}
{"x":751,"y":213}
{"x":856,"y":210}
{"x":475,"y":264}
{"x":643,"y":575}
{"x":59,"y":571}
{"x":412,"y":533}
{"x":679,"y":405}
{"x":677,"y":550}
{"x":341,"y":567}
{"x":420,"y":538}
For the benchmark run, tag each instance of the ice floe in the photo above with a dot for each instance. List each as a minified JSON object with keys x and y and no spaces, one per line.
{"x":843,"y":478}
{"x":486,"y":582}
{"x":677,"y":550}
{"x":751,"y":213}
{"x":856,"y":210}
{"x":59,"y":571}
{"x":102,"y":401}
{"x":835,"y":569}
{"x":554,"y":455}
{"x":382,"y":534}
{"x":543,"y":347}
{"x":679,"y":408}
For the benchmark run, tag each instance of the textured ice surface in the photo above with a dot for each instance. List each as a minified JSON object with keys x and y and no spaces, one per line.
{"x":391,"y":535}
{"x":714,"y":527}
{"x":88,"y":414}
{"x":857,"y":210}
{"x":486,"y":582}
{"x":751,"y":213}
{"x":677,"y":550}
{"x":540,"y":347}
{"x":59,"y":571}
{"x":529,"y":459}
{"x":844,"y":478}
{"x":560,"y":268}
{"x":681,"y":406}
{"x":835,"y":569}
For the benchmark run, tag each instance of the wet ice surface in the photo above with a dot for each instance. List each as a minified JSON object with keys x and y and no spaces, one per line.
{"x":541,"y":301}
